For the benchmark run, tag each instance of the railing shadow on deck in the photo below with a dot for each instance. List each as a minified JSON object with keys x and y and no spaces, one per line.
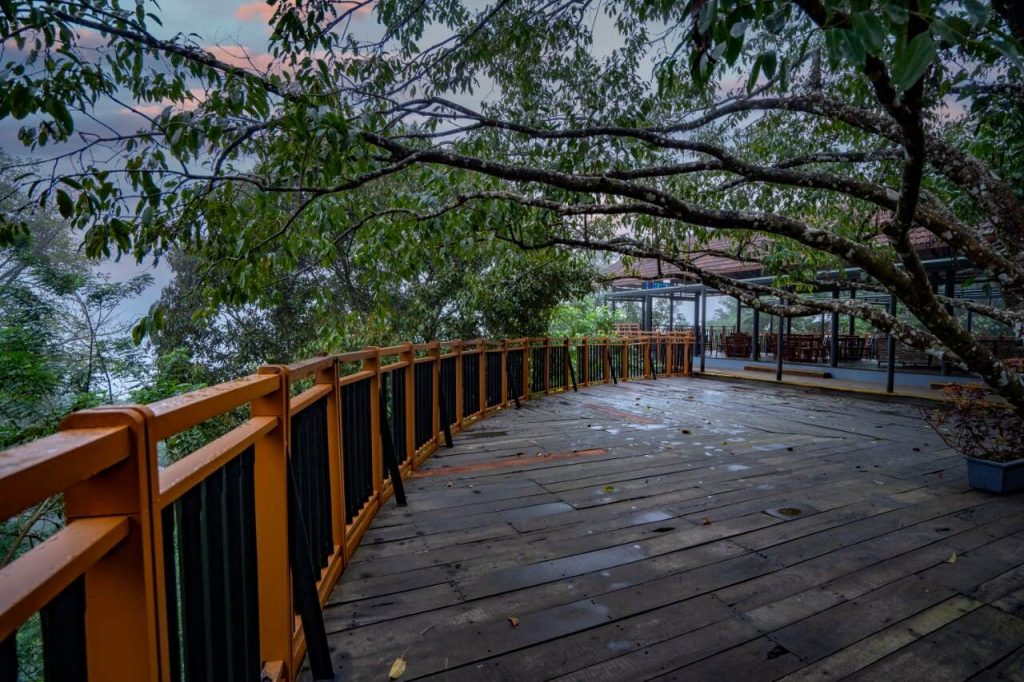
{"x":189,"y":572}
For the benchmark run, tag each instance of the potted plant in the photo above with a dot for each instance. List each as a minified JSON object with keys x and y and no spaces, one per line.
{"x":989,"y":435}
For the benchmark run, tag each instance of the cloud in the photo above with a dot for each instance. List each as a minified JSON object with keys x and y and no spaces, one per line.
{"x":254,"y":11}
{"x":261,"y":12}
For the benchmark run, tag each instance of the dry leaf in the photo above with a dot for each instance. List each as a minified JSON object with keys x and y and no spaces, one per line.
{"x":608,"y":489}
{"x":951,"y":559}
{"x":514,"y":621}
{"x":705,"y":521}
{"x":450,"y":484}
{"x":686,"y":431}
{"x":397,"y":669}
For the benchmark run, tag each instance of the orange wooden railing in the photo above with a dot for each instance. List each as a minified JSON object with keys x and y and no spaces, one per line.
{"x":140,"y":542}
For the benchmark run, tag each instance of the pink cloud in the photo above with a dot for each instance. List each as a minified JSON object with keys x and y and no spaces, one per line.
{"x":262,"y":12}
{"x":254,"y":11}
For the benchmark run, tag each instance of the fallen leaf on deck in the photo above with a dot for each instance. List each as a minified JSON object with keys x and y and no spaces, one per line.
{"x":450,"y":484}
{"x":687,"y":431}
{"x":514,"y":621}
{"x":397,"y":669}
{"x":608,"y":489}
{"x":951,"y":559}
{"x":705,"y":521}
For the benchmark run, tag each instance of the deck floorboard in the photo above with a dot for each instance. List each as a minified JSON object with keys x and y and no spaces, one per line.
{"x":642,"y":548}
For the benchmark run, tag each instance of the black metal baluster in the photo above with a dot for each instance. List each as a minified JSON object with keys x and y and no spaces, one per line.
{"x":388,"y":455}
{"x":192,"y":588}
{"x":306,"y":596}
{"x":213,"y":575}
{"x":232,"y":570}
{"x":63,"y":628}
{"x":171,"y":589}
{"x":249,"y":576}
{"x":9,"y":658}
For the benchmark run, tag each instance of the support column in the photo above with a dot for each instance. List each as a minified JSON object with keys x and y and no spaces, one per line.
{"x":853,"y":320}
{"x":671,"y":312}
{"x":833,"y":342}
{"x":648,"y":326}
{"x":779,"y":350}
{"x":755,"y":336}
{"x":703,"y":318}
{"x":696,"y":323}
{"x":890,"y":352}
{"x":739,"y":316}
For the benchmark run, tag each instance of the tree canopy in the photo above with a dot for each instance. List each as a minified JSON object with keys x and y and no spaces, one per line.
{"x":815,"y":134}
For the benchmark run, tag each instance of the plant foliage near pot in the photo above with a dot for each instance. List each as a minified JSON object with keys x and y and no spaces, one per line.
{"x":990,"y":436}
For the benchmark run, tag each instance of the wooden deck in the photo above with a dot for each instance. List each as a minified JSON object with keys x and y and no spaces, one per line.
{"x":622,"y":533}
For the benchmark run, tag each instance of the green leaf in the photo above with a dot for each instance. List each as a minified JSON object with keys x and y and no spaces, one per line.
{"x":912,"y":61}
{"x":707,"y":15}
{"x":769,"y":64}
{"x":738,"y":29}
{"x":896,"y":11}
{"x":64,"y":203}
{"x":870,"y":30}
{"x":852,"y":48}
{"x":752,"y":80}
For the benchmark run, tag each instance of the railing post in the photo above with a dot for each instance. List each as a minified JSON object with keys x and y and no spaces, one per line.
{"x":270,"y":477}
{"x":568,"y":361}
{"x":124,"y":618}
{"x":669,"y":350}
{"x":482,"y":375}
{"x":646,"y":346}
{"x":372,"y":364}
{"x":607,"y":358}
{"x":624,"y":360}
{"x":504,"y":373}
{"x":409,"y":355}
{"x":585,"y":368}
{"x":336,"y":471}
{"x":687,"y":357}
{"x":527,"y":363}
{"x":458,"y":383}
{"x":547,"y":365}
{"x":435,"y":398}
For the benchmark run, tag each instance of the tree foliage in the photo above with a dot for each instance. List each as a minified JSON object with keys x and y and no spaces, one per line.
{"x":815,"y":134}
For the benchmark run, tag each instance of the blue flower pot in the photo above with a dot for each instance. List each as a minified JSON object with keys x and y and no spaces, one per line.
{"x":996,"y":477}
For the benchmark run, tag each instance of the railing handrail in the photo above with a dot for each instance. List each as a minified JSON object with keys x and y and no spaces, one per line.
{"x":105,"y":462}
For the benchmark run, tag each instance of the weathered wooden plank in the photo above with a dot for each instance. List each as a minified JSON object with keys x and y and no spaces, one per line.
{"x":955,"y":652}
{"x":871,"y":649}
{"x":658,"y":559}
